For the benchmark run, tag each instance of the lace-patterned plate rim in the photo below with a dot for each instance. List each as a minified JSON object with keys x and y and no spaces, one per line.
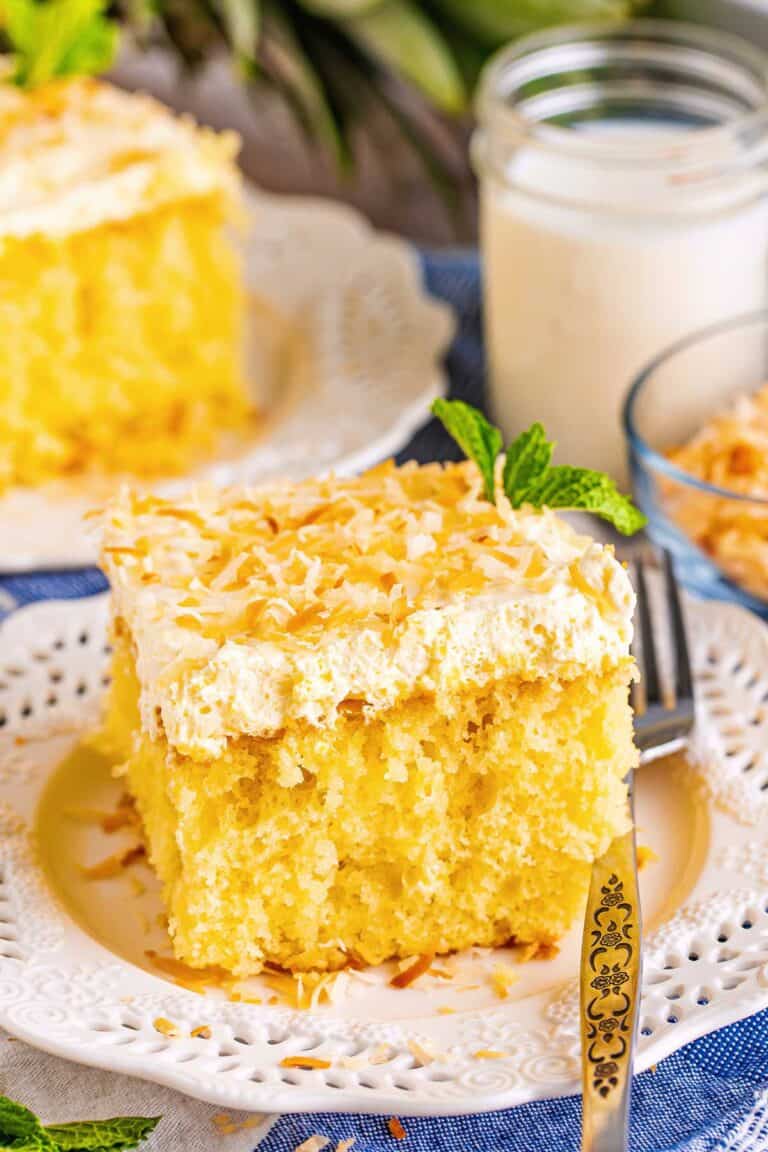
{"x":345,"y":351}
{"x":80,"y":993}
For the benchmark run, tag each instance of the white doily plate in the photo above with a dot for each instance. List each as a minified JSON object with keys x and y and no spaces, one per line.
{"x":75,"y":978}
{"x":344,"y":352}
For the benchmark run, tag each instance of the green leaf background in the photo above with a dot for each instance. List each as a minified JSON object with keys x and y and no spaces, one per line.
{"x":417,"y":60}
{"x":50,"y":38}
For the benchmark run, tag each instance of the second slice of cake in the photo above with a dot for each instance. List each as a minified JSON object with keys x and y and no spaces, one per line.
{"x":121,"y":297}
{"x":367,"y":718}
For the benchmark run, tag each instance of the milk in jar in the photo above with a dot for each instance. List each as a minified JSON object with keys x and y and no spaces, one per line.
{"x":623,"y":204}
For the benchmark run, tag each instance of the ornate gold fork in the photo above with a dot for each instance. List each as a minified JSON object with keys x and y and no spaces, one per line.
{"x":611,"y":944}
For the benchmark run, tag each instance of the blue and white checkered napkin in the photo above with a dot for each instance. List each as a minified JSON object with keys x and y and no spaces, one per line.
{"x":711,"y":1095}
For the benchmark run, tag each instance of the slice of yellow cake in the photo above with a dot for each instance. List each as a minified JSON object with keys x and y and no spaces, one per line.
{"x":120,"y":288}
{"x":367,"y":718}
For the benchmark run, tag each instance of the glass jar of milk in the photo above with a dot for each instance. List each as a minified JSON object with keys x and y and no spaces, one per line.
{"x":623,"y":203}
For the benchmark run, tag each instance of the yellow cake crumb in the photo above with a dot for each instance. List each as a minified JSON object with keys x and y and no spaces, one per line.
{"x":503,"y":977}
{"x":645,"y":856}
{"x":449,"y":866}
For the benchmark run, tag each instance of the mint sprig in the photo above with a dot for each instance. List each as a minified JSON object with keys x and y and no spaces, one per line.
{"x":529,"y":477}
{"x":477,"y":438}
{"x":526,"y":464}
{"x":116,"y":1135}
{"x":52,"y":38}
{"x":21,"y":1131}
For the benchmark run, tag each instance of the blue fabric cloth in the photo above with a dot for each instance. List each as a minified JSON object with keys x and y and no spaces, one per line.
{"x":709,"y":1095}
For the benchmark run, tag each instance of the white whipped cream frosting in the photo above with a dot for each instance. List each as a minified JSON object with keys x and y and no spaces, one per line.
{"x":203,"y":692}
{"x":80,"y":153}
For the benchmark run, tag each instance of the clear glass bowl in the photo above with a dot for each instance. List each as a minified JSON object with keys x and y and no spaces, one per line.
{"x":719,"y":538}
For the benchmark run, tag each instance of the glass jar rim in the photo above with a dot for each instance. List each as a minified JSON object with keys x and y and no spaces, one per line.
{"x":493,"y":108}
{"x":639,"y":445}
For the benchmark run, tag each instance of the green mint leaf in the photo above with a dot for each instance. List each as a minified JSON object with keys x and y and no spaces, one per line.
{"x":580,"y":488}
{"x":116,"y":1135}
{"x":16,"y":1123}
{"x":529,"y":477}
{"x":38,"y":1141}
{"x":527,"y":461}
{"x":20,"y":1129}
{"x":34,"y":1142}
{"x":15,"y":1119}
{"x":478,"y":439}
{"x":51,"y":38}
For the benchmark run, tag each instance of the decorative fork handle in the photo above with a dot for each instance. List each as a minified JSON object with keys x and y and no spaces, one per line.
{"x":610,"y":996}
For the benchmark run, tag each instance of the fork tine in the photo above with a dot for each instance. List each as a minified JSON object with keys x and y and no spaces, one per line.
{"x":683,"y":677}
{"x":648,"y":645}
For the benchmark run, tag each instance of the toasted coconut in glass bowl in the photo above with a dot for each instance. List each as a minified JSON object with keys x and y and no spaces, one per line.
{"x":696,"y":420}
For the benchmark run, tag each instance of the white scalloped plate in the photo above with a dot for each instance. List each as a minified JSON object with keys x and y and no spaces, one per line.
{"x":344,"y":352}
{"x":76,"y":981}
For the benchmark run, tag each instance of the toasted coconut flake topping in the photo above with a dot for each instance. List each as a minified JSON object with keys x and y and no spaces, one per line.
{"x":645,"y":856}
{"x":425,"y":1052}
{"x":307,"y":1063}
{"x":547,"y":950}
{"x":538,"y":950}
{"x":254,"y":1121}
{"x":114,"y":865}
{"x":226,"y":1125}
{"x":193,"y":979}
{"x":488,"y":1054}
{"x":305,"y":558}
{"x":166,"y":1027}
{"x":396,"y":1128}
{"x":238,"y":997}
{"x":122,"y":818}
{"x":78,"y":153}
{"x":313,"y":1144}
{"x":304,"y":602}
{"x":378,"y":1055}
{"x":125,"y":815}
{"x":413,"y":971}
